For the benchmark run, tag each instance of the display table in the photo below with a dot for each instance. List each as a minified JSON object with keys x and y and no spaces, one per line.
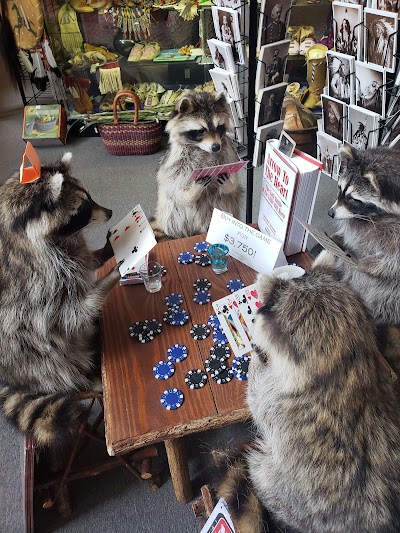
{"x":134,"y":416}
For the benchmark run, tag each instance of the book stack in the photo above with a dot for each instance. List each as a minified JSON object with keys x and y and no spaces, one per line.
{"x":361,"y":102}
{"x":289,"y":189}
{"x":270,"y":83}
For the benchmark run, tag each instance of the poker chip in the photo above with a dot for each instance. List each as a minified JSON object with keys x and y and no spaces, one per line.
{"x":176,"y":316}
{"x":153,"y":325}
{"x":235,"y":284}
{"x":223,"y":377}
{"x":219,"y":337}
{"x":177,"y":353}
{"x":213,"y":322}
{"x":171,"y":399}
{"x":195,"y":379}
{"x":202,"y":297}
{"x":200,"y":331}
{"x":184,"y":258}
{"x":147,"y":336}
{"x":240,"y":367}
{"x":220,"y":351}
{"x":201,"y":246}
{"x":137,"y":329}
{"x":202,"y":260}
{"x":163,"y":370}
{"x":202,"y":284}
{"x":173,"y":299}
{"x":163,"y":270}
{"x":215,"y":365}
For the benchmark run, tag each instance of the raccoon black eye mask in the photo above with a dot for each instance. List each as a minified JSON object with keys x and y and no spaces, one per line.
{"x":195,"y":135}
{"x":78,"y":221}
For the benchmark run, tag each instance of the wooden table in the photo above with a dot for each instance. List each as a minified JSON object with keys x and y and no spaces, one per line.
{"x":134,"y":416}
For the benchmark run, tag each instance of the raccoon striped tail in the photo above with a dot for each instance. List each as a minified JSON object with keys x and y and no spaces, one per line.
{"x":234,"y":486}
{"x":51,"y":419}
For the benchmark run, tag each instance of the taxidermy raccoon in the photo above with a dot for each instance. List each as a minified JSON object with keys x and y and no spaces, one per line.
{"x":368,"y":213}
{"x":49,"y":300}
{"x":198,"y":138}
{"x":325,"y":408}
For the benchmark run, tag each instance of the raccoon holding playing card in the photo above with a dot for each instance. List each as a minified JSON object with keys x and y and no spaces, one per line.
{"x":198,"y":137}
{"x":50,"y":301}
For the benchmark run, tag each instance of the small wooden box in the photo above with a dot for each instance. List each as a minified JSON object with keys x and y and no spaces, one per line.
{"x":45,"y":124}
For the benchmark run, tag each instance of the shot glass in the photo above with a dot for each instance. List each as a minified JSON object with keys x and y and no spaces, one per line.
{"x":151,"y":276}
{"x":219,"y":257}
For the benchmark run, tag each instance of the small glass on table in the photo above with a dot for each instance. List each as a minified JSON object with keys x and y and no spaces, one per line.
{"x":151,"y":274}
{"x":219,"y":257}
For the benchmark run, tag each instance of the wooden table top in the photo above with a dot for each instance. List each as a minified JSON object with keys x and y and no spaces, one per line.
{"x":134,"y":416}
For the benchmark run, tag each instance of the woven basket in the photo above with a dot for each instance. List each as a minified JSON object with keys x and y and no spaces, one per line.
{"x":137,"y":138}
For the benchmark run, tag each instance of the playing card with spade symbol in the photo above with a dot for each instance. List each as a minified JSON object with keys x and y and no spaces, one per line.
{"x":131,"y":239}
{"x":231,"y":325}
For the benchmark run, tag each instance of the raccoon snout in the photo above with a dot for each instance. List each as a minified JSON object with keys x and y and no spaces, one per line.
{"x":216,"y":147}
{"x":108,"y":213}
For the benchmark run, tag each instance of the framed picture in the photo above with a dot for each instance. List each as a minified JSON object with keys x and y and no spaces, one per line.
{"x":264,"y":134}
{"x":385,"y":5}
{"x":274,"y":20}
{"x":227,"y":29}
{"x":341,"y":76}
{"x":271,"y":64}
{"x":238,"y":124}
{"x":362,"y":130}
{"x":370,"y":87}
{"x":334,"y":114}
{"x":269,"y":105}
{"x":222,"y":55}
{"x":380,"y":38}
{"x":328,"y":152}
{"x":347,"y":25}
{"x":286,"y":144}
{"x":228,"y":83}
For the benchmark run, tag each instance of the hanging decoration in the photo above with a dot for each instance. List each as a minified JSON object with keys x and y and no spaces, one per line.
{"x":187,"y":9}
{"x":71,"y":36}
{"x":26,"y":19}
{"x":110,"y":78}
{"x":134,"y":22}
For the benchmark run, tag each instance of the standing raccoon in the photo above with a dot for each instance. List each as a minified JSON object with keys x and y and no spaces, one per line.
{"x":198,"y":138}
{"x":368,"y":213}
{"x":49,"y":300}
{"x":325,"y":408}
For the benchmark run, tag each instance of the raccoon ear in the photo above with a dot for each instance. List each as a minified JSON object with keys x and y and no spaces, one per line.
{"x":220,"y":98}
{"x":55,"y":185}
{"x":184,"y":105}
{"x":346,"y":153}
{"x":66,"y":159}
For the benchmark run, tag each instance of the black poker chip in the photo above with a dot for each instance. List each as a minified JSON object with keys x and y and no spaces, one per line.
{"x":200,"y":331}
{"x":163,"y":270}
{"x":202,"y":297}
{"x":202,"y":260}
{"x":176,"y":316}
{"x":173,"y":299}
{"x":215,"y":365}
{"x":147,"y":336}
{"x":140,"y":332}
{"x":220,"y":351}
{"x":202,"y":284}
{"x":240,"y":367}
{"x":201,"y":246}
{"x":235,"y":285}
{"x":223,"y":377}
{"x":196,"y":379}
{"x":153,"y":325}
{"x":184,"y":258}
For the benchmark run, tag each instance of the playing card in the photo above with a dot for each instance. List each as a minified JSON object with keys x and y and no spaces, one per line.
{"x":214,"y":172}
{"x":231,"y":325}
{"x":131,"y":239}
{"x":243,"y":311}
{"x":252,"y":299}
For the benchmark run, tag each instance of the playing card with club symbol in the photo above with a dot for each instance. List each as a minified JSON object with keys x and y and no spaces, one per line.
{"x":131,"y":239}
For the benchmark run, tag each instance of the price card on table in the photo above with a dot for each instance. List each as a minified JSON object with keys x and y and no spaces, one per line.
{"x":253,"y":248}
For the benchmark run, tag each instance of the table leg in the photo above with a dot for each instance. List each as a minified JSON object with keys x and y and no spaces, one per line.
{"x":179,"y":469}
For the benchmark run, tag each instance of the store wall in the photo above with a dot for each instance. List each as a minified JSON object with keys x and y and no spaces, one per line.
{"x":10,"y":98}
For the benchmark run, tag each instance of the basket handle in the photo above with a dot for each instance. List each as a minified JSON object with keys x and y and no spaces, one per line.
{"x":136,"y":101}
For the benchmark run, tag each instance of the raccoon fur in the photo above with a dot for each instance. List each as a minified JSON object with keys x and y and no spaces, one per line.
{"x":198,"y":129}
{"x":327,"y":456}
{"x":367,"y":211}
{"x":49,"y":300}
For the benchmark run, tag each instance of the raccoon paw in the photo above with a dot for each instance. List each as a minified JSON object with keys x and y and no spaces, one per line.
{"x":204,"y":181}
{"x":222,"y":178}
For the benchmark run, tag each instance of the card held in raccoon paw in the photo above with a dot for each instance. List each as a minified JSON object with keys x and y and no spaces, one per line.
{"x":173,"y":299}
{"x":177,"y":353}
{"x":163,"y":370}
{"x":201,"y":247}
{"x":235,"y":285}
{"x":171,"y":399}
{"x":202,"y":284}
{"x":202,"y":260}
{"x":220,"y":351}
{"x":184,"y":258}
{"x":196,"y":379}
{"x":202,"y":297}
{"x":200,"y":331}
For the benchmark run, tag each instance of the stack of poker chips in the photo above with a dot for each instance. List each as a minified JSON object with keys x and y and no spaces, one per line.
{"x":185,"y":258}
{"x":175,"y":315}
{"x":145,"y":331}
{"x":202,"y":296}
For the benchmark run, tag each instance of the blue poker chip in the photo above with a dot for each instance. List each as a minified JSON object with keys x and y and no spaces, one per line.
{"x":173,"y":299}
{"x":201,"y":246}
{"x":240,"y":367}
{"x":171,"y":399}
{"x":235,"y":284}
{"x":202,"y":297}
{"x":163,"y":370}
{"x":176,"y":316}
{"x":219,"y":337}
{"x":184,"y":258}
{"x":177,"y":353}
{"x":213,"y":322}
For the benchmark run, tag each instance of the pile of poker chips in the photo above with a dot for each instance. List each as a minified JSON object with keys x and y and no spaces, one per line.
{"x":185,"y":258}
{"x":145,"y":331}
{"x":175,"y":315}
{"x":172,"y":398}
{"x":202,"y":296}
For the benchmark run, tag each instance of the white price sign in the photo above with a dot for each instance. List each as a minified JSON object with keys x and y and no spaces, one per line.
{"x":253,"y":248}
